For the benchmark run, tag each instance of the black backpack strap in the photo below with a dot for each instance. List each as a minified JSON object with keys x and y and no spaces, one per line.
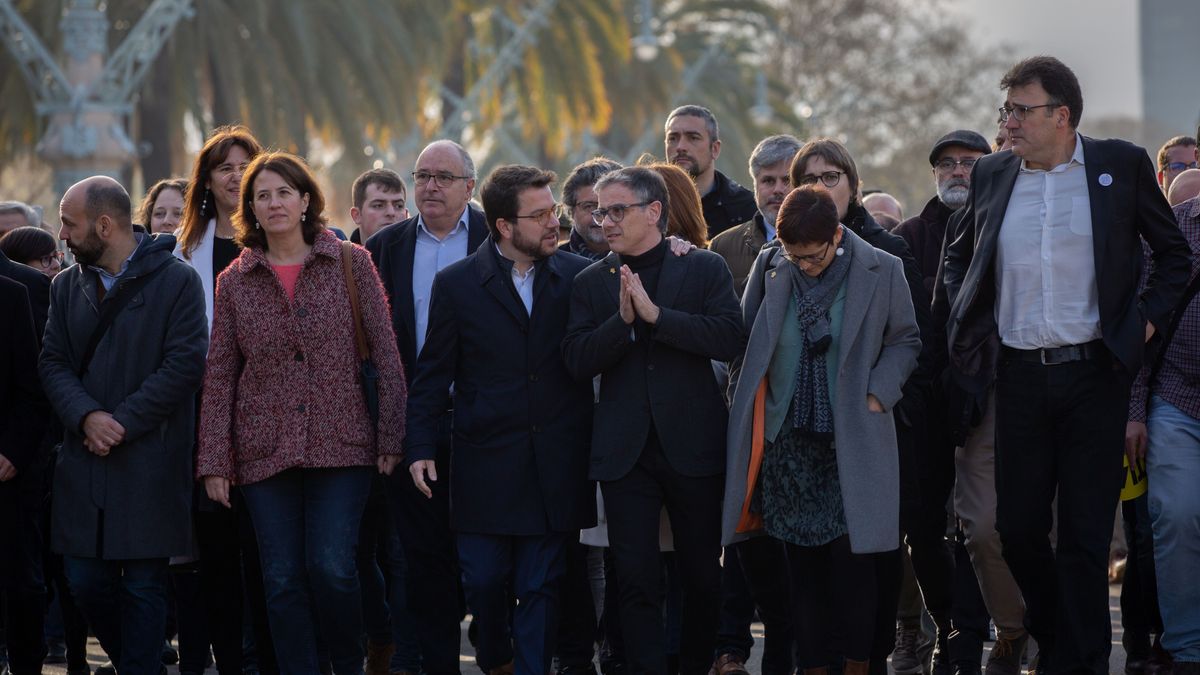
{"x":117,"y":298}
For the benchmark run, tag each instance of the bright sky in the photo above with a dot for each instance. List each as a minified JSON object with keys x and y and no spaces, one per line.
{"x":1098,"y":39}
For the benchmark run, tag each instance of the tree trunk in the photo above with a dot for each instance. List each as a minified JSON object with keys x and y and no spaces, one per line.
{"x":154,"y":124}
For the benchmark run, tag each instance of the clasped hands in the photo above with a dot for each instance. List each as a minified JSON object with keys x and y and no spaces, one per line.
{"x":101,"y":432}
{"x":635,"y":302}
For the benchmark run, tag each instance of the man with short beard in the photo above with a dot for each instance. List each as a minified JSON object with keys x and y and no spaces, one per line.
{"x":693,"y":144}
{"x":579,"y":200}
{"x":519,"y":489}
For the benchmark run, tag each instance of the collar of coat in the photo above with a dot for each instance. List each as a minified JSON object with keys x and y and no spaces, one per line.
{"x":326,"y":244}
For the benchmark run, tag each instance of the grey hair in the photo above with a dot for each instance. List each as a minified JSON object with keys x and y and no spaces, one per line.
{"x":697,"y":111}
{"x":646,"y":183}
{"x":771,"y":151}
{"x":586,"y":175}
{"x":468,"y":163}
{"x":31,"y":216}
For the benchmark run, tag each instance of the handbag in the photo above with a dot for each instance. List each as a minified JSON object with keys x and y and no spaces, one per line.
{"x":368,"y":373}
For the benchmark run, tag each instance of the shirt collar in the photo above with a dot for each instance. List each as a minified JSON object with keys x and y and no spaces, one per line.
{"x":511,"y":266}
{"x":1076,"y":159}
{"x":460,"y":227}
{"x":124,"y":265}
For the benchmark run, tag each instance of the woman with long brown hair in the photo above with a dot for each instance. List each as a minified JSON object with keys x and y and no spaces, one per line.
{"x":685,"y":218}
{"x":162,"y":209}
{"x":225,"y":537}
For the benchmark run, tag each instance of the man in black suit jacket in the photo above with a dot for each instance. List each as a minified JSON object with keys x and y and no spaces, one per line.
{"x":24,"y":415}
{"x":408,"y":255}
{"x":522,"y":424}
{"x":1043,"y":289}
{"x":649,"y":323}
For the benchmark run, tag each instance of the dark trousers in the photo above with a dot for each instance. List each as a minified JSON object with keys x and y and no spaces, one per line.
{"x":612,"y":651}
{"x":230,"y":575}
{"x":755,"y":576}
{"x":1060,"y":430}
{"x":22,"y":583}
{"x":532,"y":566}
{"x":889,"y":575}
{"x":382,"y":572}
{"x":925,"y":523}
{"x":186,"y":596}
{"x":74,"y":625}
{"x":307,"y":523}
{"x":969,"y":615}
{"x":577,"y":617}
{"x":125,"y":603}
{"x":833,"y":595}
{"x":434,"y":586}
{"x":1139,"y":590}
{"x":632,"y":504}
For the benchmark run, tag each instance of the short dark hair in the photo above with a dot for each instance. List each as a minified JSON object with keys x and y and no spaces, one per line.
{"x":710,"y":120}
{"x":646,"y":183}
{"x":108,"y":199}
{"x":833,"y":153}
{"x":387,"y":179}
{"x":295,"y":173}
{"x":1055,"y":77}
{"x":586,"y":175}
{"x":501,"y":191}
{"x":147,"y":207}
{"x":807,"y":216}
{"x":1173,"y":143}
{"x":26,"y":243}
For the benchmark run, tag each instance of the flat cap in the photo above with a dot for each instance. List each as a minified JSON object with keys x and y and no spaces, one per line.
{"x":966,"y":138}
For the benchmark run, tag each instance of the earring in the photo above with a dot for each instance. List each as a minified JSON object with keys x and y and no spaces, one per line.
{"x":840,"y":251}
{"x":204,"y":203}
{"x":303,"y":217}
{"x":259,"y":227}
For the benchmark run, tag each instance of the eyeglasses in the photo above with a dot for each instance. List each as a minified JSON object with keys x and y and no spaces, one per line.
{"x":567,"y":210}
{"x":814,"y":259}
{"x":1021,"y":111}
{"x":443,"y":180}
{"x":829,"y":179}
{"x":616,"y":212}
{"x":47,"y":261}
{"x":1180,"y":166}
{"x":947,"y":164}
{"x":544,"y":216}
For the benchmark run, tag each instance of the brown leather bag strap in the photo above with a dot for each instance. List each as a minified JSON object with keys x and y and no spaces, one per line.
{"x":364,"y":351}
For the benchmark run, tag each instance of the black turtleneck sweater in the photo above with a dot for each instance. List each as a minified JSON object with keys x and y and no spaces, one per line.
{"x":648,"y":266}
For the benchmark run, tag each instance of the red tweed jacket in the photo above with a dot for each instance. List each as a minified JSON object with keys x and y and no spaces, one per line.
{"x":282,"y":387}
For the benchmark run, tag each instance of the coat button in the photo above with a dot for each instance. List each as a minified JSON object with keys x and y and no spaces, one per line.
{"x":300,"y":408}
{"x":301,"y":312}
{"x":299,"y":356}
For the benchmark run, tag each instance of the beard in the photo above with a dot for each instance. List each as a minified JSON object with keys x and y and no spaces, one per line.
{"x":88,"y":251}
{"x":953,"y":192}
{"x":592,"y":234}
{"x":534,"y":248}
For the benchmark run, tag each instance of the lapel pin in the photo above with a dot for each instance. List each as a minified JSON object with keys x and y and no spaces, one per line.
{"x":611,"y":271}
{"x":772,"y":274}
{"x":1105,"y":179}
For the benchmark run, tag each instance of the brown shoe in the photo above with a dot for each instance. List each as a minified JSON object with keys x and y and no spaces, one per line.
{"x":852,"y":667}
{"x":729,"y":664}
{"x":379,"y":657}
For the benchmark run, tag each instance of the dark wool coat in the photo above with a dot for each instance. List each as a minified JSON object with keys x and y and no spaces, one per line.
{"x":136,"y":501}
{"x":282,"y":388}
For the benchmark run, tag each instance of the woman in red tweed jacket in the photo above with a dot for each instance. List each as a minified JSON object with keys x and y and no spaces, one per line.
{"x":283,"y":415}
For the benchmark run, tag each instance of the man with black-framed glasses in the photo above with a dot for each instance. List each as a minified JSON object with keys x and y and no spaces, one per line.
{"x":1042,"y":285}
{"x":650,"y":323}
{"x":578,"y":201}
{"x":1176,"y":156}
{"x":408,"y":255}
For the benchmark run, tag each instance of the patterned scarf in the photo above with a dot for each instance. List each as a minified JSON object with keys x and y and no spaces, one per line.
{"x":812,"y":413}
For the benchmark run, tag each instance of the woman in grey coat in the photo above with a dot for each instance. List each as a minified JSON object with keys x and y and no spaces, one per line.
{"x":812,"y":457}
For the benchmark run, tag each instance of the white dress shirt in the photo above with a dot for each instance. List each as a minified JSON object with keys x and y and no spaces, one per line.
{"x":1045,"y":260}
{"x":523,"y":283}
{"x":431,"y":256}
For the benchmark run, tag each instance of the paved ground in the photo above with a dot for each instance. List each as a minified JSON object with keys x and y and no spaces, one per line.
{"x":1116,"y":661}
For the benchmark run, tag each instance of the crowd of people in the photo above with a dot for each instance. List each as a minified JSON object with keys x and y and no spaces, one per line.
{"x":618,"y":424}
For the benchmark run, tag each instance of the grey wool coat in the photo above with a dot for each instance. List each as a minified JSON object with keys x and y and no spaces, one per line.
{"x":879,"y":343}
{"x":135,"y":502}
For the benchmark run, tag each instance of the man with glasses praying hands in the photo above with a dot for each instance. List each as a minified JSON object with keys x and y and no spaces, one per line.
{"x":649,"y":323}
{"x":1042,"y":284}
{"x":408,"y":255}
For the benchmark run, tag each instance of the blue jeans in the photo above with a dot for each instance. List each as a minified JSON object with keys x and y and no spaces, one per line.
{"x":533,"y":568}
{"x":1173,"y":463}
{"x":307,"y":523}
{"x":125,"y":603}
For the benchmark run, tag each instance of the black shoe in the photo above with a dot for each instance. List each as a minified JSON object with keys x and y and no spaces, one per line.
{"x":107,"y":668}
{"x":170,"y":655}
{"x":56,"y":652}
